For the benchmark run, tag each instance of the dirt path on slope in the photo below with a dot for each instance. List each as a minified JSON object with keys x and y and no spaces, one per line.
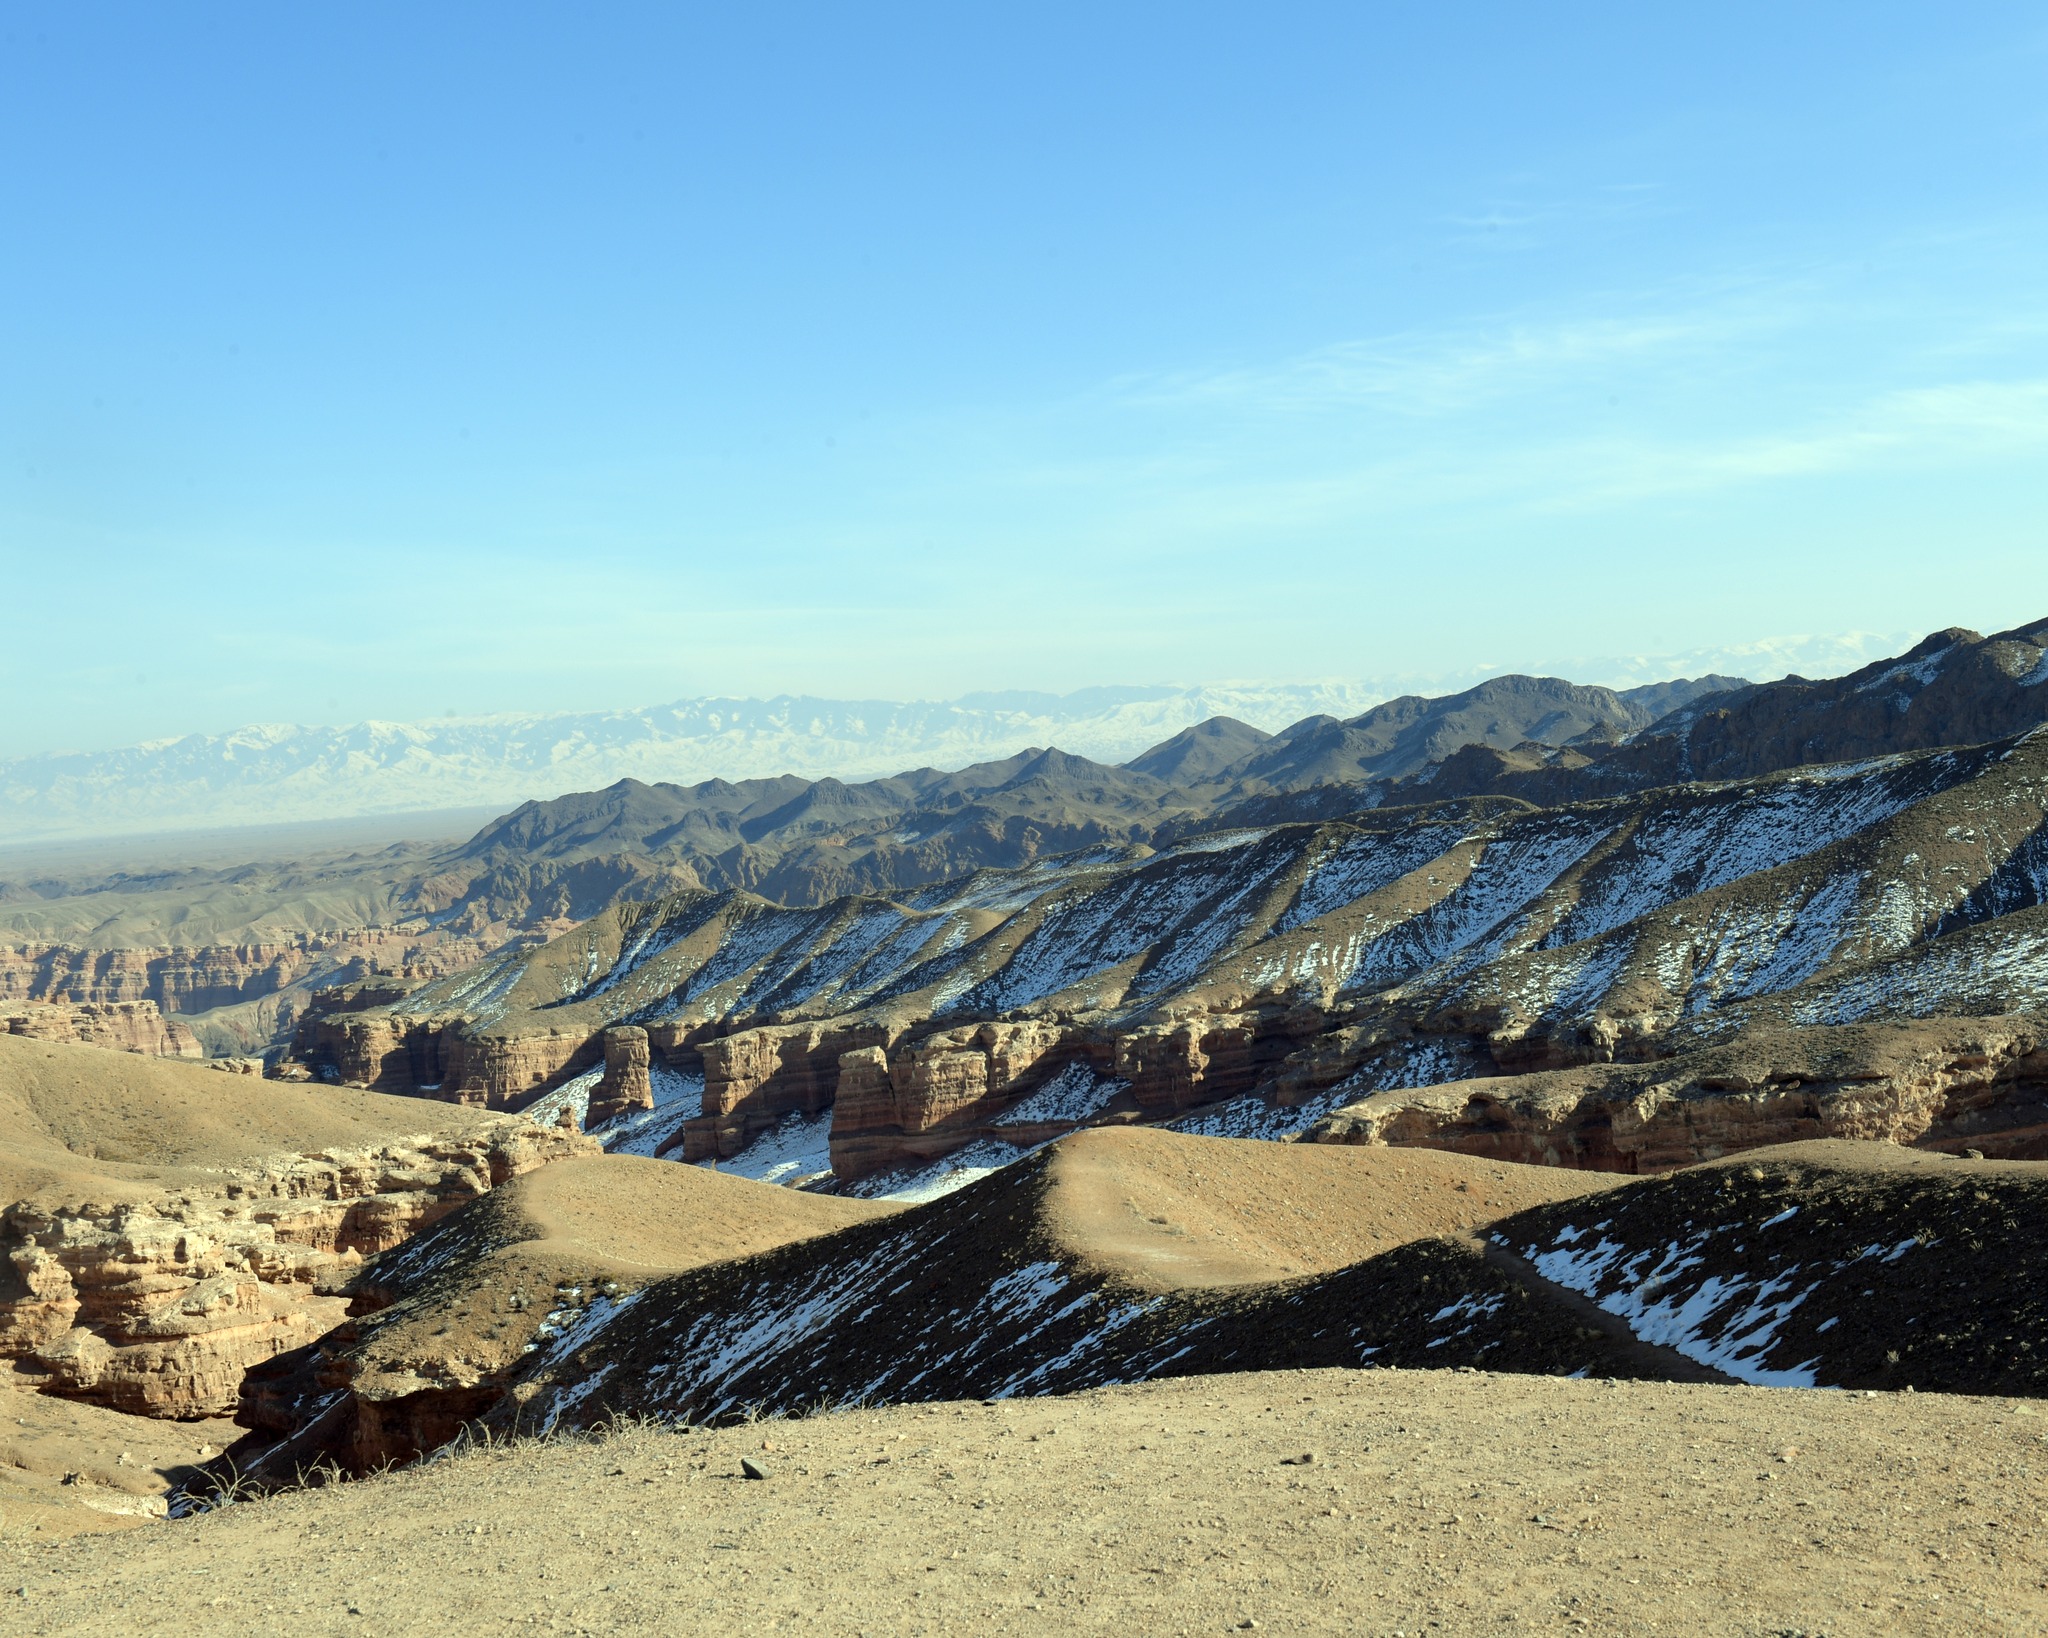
{"x":1435,"y":1503}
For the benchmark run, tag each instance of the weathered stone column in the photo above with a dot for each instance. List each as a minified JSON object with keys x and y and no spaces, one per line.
{"x":626,"y":1086}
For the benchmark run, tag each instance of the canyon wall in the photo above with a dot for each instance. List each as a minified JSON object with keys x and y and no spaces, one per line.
{"x":1954,"y":1084}
{"x":189,"y":980}
{"x":157,"y":1308}
{"x":119,"y":1026}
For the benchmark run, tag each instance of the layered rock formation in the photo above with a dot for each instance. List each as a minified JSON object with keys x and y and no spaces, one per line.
{"x":199,"y":979}
{"x":120,"y":1026}
{"x":1978,"y":1084}
{"x":625,"y":1088}
{"x":159,"y":1307}
{"x":163,"y":1228}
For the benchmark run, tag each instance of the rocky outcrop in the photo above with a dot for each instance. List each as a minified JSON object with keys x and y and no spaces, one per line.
{"x":158,"y":1307}
{"x":933,"y":1094}
{"x":121,"y":1026}
{"x":626,"y":1087}
{"x":754,"y":1077}
{"x":189,"y":980}
{"x":402,"y":1052}
{"x":507,"y":1071}
{"x":1954,"y":1084}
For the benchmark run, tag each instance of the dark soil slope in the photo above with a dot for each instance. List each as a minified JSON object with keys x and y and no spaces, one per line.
{"x":1831,"y":1264}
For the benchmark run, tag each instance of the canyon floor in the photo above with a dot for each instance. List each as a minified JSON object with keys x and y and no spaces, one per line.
{"x":1296,"y":1501}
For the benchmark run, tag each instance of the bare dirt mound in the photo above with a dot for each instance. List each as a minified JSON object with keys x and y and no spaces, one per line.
{"x":1830,"y":1264}
{"x":443,"y":1322}
{"x":116,"y":1124}
{"x":1111,"y":1256}
{"x":1434,"y":1502}
{"x":1127,"y":1256}
{"x":1160,"y":1209}
{"x":67,"y":1466}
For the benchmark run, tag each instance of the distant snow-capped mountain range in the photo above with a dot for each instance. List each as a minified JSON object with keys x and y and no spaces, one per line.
{"x":277,"y":773}
{"x":272,"y":773}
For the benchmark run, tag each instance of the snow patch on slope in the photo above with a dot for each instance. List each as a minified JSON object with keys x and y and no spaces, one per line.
{"x":797,"y":1148}
{"x":1074,"y":1094}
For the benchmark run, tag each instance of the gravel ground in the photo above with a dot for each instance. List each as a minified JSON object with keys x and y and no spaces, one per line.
{"x":1375,"y":1502}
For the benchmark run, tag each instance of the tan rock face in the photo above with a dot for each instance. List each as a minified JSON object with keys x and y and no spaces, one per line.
{"x":506,"y":1071}
{"x":122,"y":1026}
{"x":626,"y":1086}
{"x":1939,"y":1083}
{"x":779,"y":1069}
{"x":194,"y":980}
{"x":398,"y":1052}
{"x":159,"y":1308}
{"x":931,"y":1095}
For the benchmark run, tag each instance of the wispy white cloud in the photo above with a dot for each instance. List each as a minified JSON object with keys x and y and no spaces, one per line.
{"x":1522,"y":222}
{"x":1432,"y":374}
{"x":1964,"y":421}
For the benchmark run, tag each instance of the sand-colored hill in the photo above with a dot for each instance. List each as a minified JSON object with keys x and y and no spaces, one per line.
{"x":1435,"y":1502}
{"x":1110,"y":1256}
{"x":116,"y":1124}
{"x":443,"y":1323}
{"x":164,"y":1227}
{"x":1123,"y":1256}
{"x":729,"y":1291}
{"x":1162,"y":1210}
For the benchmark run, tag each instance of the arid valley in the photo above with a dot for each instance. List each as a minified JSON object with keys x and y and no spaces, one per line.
{"x":929,"y":820}
{"x":1493,"y":1161}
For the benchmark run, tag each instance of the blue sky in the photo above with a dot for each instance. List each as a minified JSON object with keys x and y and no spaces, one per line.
{"x":390,"y":361}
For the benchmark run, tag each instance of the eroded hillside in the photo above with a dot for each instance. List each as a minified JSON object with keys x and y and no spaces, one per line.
{"x":237,"y":954}
{"x":1249,"y":982}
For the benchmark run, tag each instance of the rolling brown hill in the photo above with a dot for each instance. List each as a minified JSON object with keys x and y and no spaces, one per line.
{"x":1122,"y":1256}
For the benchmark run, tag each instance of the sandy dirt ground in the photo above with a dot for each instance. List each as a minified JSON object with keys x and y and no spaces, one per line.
{"x":1379,"y":1502}
{"x":82,"y":1123}
{"x":1170,"y":1211}
{"x":67,"y":1466}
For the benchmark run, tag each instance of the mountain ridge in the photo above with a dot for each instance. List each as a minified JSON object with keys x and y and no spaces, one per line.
{"x":282,"y":772}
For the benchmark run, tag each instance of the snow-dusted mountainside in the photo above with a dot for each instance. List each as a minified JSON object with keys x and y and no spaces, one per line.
{"x":247,"y":941}
{"x":270,"y":773}
{"x":1249,"y":982}
{"x":1953,"y":687}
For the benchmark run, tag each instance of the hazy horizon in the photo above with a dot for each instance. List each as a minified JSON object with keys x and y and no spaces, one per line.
{"x":1760,"y":661}
{"x":382,"y":364}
